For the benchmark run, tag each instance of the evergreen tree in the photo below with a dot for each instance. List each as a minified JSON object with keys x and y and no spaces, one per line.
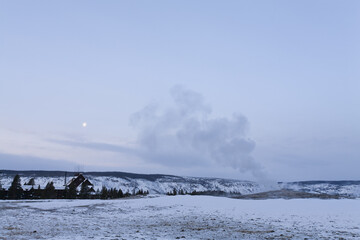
{"x":49,"y":191}
{"x":97,"y":193}
{"x":114,"y":193}
{"x":144,"y":193}
{"x":3,"y":194}
{"x":104,"y":193}
{"x":120,"y":194}
{"x":15,"y":190}
{"x":111,"y":193}
{"x":71,"y":192}
{"x":127,"y":194}
{"x":31,"y":182}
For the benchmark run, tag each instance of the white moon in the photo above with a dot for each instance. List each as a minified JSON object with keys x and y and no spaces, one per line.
{"x":84,"y":124}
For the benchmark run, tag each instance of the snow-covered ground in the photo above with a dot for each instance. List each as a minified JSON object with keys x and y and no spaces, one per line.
{"x":176,"y":217}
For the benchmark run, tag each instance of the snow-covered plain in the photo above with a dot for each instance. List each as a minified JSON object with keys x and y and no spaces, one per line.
{"x":176,"y":217}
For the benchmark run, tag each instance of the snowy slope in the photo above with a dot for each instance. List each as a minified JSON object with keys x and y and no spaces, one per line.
{"x":161,"y":184}
{"x":155,"y":184}
{"x":343,"y":188}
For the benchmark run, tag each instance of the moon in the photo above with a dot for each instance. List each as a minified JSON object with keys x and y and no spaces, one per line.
{"x":84,"y":124}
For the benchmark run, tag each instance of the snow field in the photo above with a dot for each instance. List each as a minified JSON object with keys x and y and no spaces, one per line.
{"x":180,"y":217}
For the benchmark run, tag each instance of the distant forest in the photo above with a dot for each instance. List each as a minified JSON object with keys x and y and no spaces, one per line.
{"x":16,"y":191}
{"x":70,"y":191}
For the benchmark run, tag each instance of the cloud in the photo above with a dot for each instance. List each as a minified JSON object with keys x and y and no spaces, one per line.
{"x":25,"y":162}
{"x":96,"y":146}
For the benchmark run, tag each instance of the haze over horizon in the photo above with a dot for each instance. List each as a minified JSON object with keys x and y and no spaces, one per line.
{"x":238,"y":89}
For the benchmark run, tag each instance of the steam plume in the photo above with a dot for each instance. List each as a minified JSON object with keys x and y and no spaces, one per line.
{"x":186,"y":135}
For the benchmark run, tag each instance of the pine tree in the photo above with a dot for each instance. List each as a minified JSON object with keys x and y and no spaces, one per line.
{"x":71,"y":192}
{"x":2,"y":193}
{"x":49,"y":191}
{"x":114,"y":193}
{"x":104,"y":193}
{"x":31,"y":182}
{"x":15,"y":190}
{"x":111,"y":193}
{"x":120,"y":194}
{"x":97,"y":193}
{"x":127,"y":194}
{"x":140,"y":192}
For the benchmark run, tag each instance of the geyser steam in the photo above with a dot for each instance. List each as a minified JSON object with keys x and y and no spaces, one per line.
{"x":186,"y":135}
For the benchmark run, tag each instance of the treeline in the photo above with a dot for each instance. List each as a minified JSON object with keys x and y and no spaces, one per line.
{"x":16,"y":191}
{"x":113,"y":193}
{"x":180,"y":191}
{"x":175,"y":192}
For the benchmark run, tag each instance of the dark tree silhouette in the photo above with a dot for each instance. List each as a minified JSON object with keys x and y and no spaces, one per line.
{"x":104,"y":193}
{"x":49,"y":191}
{"x":31,"y":182}
{"x":15,"y":190}
{"x":113,"y":193}
{"x":3,"y":194}
{"x":120,"y":194}
{"x":71,"y":192}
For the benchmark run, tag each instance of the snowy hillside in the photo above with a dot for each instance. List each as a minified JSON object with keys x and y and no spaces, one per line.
{"x":155,"y":184}
{"x":161,"y":184}
{"x":342,"y":188}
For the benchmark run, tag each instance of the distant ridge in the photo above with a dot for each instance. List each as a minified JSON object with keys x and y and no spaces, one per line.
{"x":162,"y":184}
{"x":46,"y":173}
{"x":152,"y":177}
{"x":314,"y":182}
{"x":129,"y":182}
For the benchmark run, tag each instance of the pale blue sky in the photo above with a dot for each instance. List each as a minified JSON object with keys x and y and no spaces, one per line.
{"x":290,"y":67}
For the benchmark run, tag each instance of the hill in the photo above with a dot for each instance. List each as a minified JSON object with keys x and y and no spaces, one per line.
{"x":162,"y":184}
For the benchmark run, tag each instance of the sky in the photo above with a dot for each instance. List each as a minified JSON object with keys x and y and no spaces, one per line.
{"x":253,"y":90}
